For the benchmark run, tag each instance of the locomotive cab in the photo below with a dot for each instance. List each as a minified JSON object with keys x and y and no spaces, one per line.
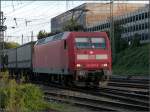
{"x":92,"y":62}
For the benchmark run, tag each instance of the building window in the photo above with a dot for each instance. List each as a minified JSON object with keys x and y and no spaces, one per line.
{"x":146,"y":36}
{"x":134,"y":28}
{"x":146,"y":25}
{"x":128,"y":29}
{"x":140,"y":27}
{"x":122,"y":21}
{"x":90,"y":29}
{"x":109,"y":25}
{"x":97,"y":28}
{"x":137,"y":27}
{"x":131,"y":28}
{"x":132,"y":19}
{"x":136,"y":17}
{"x":142,"y":15}
{"x":125,"y":30}
{"x":126,"y":20}
{"x":93,"y":28}
{"x":103,"y":26}
{"x":143,"y":26}
{"x":146,"y":14}
{"x":143,"y":36}
{"x":140,"y":36}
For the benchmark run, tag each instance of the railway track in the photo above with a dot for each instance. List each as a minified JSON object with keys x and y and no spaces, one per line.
{"x":128,"y":84}
{"x":114,"y":98}
{"x":99,"y":101}
{"x":129,"y":100}
{"x":125,"y":94}
{"x":139,"y":86}
{"x":78,"y":103}
{"x":131,"y":80}
{"x":129,"y":90}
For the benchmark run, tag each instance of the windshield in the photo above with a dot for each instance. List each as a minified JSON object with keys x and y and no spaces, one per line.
{"x":90,"y":42}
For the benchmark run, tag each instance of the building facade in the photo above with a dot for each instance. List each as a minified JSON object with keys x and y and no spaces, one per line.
{"x":88,"y":14}
{"x":136,"y":22}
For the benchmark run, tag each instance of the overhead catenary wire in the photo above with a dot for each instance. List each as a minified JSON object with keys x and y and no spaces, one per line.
{"x":39,"y":24}
{"x":22,"y":7}
{"x":29,"y":27}
{"x":39,"y":20}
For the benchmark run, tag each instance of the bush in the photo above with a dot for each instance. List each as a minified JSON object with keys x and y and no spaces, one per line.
{"x":132,"y":61}
{"x":20,"y":97}
{"x":135,"y":42}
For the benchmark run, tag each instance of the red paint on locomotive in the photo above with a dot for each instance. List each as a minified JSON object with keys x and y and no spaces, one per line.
{"x":53,"y":55}
{"x":73,"y":52}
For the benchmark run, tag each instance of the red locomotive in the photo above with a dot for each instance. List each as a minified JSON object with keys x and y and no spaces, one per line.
{"x":68,"y":57}
{"x":74,"y":57}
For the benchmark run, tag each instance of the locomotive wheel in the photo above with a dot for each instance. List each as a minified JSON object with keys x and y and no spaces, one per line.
{"x":68,"y":81}
{"x":105,"y":79}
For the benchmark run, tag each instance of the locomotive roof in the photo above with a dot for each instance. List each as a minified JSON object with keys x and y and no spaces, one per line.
{"x":59,"y":36}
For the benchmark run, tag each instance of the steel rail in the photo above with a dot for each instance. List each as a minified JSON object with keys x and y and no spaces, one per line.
{"x":126,"y":84}
{"x":115,"y":105}
{"x":80,"y":104}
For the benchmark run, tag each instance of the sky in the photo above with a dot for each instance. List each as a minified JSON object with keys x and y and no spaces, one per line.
{"x":37,"y":15}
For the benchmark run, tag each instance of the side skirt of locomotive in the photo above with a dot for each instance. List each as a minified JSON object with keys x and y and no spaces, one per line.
{"x":78,"y":78}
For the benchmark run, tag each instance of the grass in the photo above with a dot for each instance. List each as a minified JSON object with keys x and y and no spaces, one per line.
{"x":65,"y":107}
{"x":26,"y":97}
{"x":21,"y":97}
{"x":132,"y":61}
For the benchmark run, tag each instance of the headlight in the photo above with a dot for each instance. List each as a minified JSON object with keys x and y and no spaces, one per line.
{"x":78,"y":65}
{"x":105,"y":65}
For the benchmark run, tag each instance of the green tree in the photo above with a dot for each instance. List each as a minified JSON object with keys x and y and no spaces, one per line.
{"x":53,"y":33}
{"x":72,"y":25}
{"x":120,"y":43}
{"x":42,"y":34}
{"x":8,"y":45}
{"x":135,"y":42}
